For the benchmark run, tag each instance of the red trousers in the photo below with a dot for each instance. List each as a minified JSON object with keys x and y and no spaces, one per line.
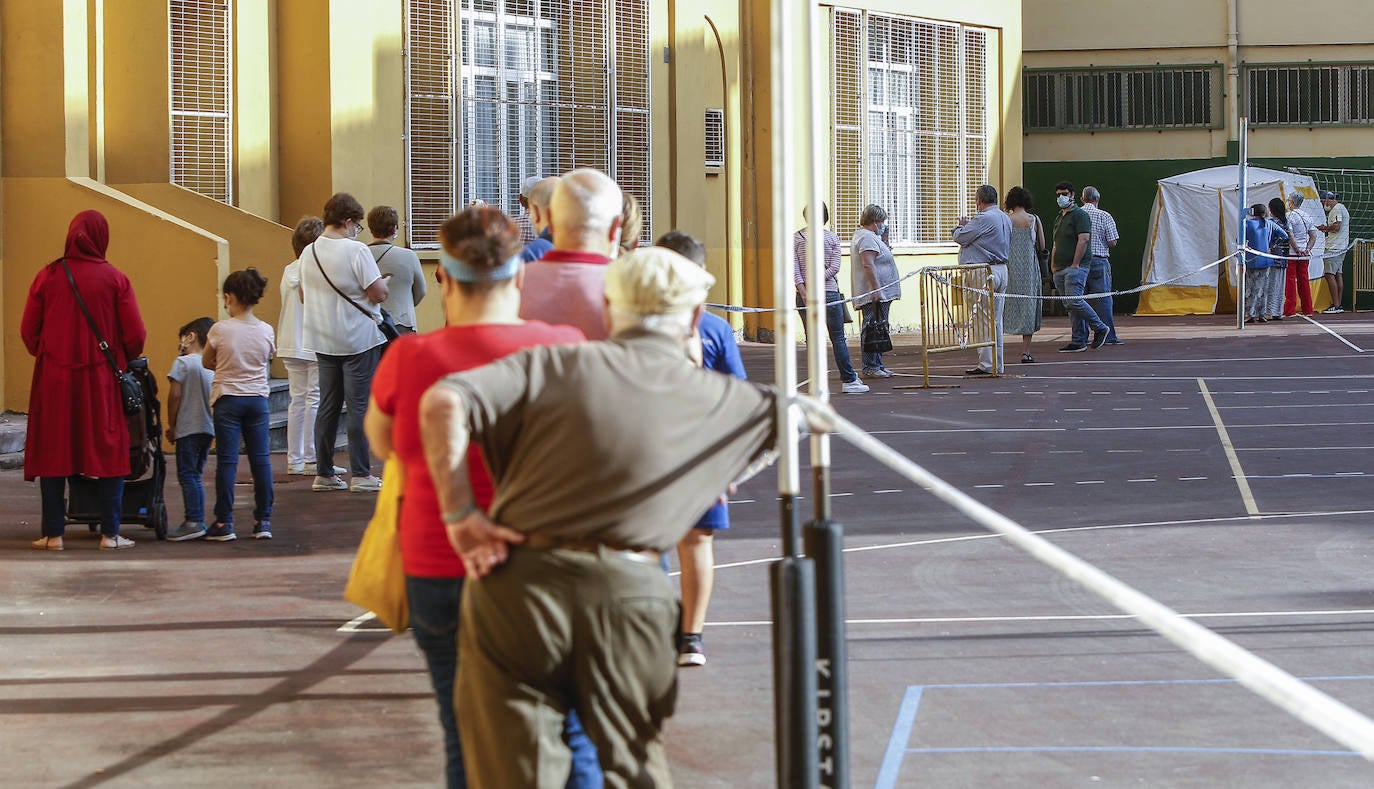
{"x":1297,"y":289}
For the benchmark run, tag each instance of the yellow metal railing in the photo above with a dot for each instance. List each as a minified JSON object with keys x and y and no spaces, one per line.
{"x":1362,"y":272}
{"x":956,"y":312}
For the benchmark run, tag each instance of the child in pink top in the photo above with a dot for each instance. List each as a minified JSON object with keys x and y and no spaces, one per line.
{"x":239,"y":350}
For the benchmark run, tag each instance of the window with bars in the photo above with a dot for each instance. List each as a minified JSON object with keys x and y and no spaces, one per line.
{"x":1328,"y":94}
{"x":502,"y":90}
{"x":715,"y":139}
{"x":1107,"y":99}
{"x":200,"y":70}
{"x":909,"y":120}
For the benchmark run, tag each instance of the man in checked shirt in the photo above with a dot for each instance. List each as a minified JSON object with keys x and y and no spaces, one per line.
{"x":1100,"y":243}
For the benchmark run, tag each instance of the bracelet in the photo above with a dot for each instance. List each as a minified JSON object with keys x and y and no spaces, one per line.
{"x":460,"y":514}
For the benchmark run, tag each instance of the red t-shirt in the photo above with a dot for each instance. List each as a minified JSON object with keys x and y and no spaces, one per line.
{"x":411,"y":365}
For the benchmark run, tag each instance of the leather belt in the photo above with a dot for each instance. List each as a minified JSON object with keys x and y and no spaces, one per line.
{"x":543,"y":542}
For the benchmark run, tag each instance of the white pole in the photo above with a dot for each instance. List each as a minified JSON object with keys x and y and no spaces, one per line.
{"x":815,"y":250}
{"x":1238,"y":263}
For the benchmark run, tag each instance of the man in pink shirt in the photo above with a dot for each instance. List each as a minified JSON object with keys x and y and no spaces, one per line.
{"x":568,"y":285}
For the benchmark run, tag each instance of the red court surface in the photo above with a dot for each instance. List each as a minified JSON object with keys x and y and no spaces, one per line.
{"x":971,"y":664}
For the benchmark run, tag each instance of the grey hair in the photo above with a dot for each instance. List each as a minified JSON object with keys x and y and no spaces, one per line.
{"x":871,"y":214}
{"x":1295,"y":198}
{"x":1091,"y":195}
{"x":986,"y":194}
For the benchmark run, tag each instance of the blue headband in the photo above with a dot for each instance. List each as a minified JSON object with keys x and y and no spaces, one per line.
{"x":462,"y":271}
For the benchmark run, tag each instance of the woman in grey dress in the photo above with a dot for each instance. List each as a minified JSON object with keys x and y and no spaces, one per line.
{"x":872,"y":267}
{"x":1022,"y":315}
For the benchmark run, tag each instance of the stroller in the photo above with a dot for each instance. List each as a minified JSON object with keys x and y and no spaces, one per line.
{"x":143,"y":501}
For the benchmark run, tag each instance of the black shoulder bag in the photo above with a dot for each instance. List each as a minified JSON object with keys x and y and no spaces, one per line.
{"x":130,"y":388}
{"x":385,"y":324}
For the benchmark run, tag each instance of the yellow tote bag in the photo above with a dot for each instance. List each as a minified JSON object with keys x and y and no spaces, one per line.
{"x":377,"y":582}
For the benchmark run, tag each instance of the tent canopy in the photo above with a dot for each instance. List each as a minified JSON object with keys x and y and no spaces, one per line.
{"x":1194,"y":222}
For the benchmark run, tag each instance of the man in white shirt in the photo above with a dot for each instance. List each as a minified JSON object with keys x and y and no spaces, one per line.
{"x":1100,"y":243}
{"x":342,"y":285}
{"x":1337,"y":230}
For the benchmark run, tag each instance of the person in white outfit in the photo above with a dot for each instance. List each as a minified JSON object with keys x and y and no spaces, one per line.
{"x":302,"y":372}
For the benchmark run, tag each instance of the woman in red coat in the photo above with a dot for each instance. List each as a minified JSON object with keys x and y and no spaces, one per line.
{"x":76,"y":420}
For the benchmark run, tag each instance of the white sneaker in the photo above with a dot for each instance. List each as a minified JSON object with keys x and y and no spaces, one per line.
{"x":308,"y":469}
{"x":1331,"y":310}
{"x":854,"y":387}
{"x":329,"y":483}
{"x":365,"y":485}
{"x":112,"y":543}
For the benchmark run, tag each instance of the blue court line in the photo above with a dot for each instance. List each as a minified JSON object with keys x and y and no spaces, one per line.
{"x":911,"y":702}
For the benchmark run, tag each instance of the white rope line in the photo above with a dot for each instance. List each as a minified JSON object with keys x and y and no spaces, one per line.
{"x":1315,"y":708}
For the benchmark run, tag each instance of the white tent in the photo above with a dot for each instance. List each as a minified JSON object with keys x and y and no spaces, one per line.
{"x":1194,"y":222}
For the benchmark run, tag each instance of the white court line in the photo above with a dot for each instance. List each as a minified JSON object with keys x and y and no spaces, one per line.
{"x":1295,"y":449}
{"x":1332,"y":333}
{"x":355,"y":625}
{"x":894,"y":490}
{"x":1144,"y":479}
{"x":946,"y":620}
{"x":1209,"y":427}
{"x":1064,"y":530}
{"x":1299,"y":405}
{"x":1245,"y":494}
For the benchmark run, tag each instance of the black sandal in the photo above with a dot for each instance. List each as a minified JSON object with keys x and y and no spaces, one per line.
{"x":1027,"y":359}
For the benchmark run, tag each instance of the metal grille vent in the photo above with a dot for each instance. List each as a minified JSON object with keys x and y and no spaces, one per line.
{"x":715,"y":138}
{"x":200,"y":70}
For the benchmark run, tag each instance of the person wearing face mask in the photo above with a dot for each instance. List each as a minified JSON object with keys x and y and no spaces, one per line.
{"x":873,"y":276}
{"x":337,"y":269}
{"x":567,"y":285}
{"x":1070,"y":260}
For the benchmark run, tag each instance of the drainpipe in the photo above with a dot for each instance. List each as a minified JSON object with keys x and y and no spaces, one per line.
{"x":1233,"y":110}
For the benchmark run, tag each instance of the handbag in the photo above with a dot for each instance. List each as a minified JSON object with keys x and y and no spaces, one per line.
{"x":377,"y":582}
{"x":385,"y":324}
{"x":130,"y":388}
{"x":875,"y":337}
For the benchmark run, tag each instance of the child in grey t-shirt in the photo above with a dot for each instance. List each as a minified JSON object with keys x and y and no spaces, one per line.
{"x":189,"y":424}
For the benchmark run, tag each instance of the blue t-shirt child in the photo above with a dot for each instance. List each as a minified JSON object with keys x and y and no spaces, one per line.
{"x":719,"y":352}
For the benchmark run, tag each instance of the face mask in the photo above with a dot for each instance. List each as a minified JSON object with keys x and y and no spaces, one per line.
{"x":1064,"y":201}
{"x":881,"y":229}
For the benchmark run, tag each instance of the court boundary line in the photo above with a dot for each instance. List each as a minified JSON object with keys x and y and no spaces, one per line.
{"x":1331,"y":332}
{"x":1246,"y":495}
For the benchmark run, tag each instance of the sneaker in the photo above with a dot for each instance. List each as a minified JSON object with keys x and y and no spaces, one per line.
{"x":854,"y":387}
{"x":879,"y":373}
{"x":111,"y":543}
{"x":329,"y":483}
{"x":262,"y":530}
{"x":1115,"y":341}
{"x":1073,"y":347}
{"x":367,"y":484}
{"x":309,"y":468}
{"x":977,"y":371}
{"x":188,"y":530}
{"x":296,"y":470}
{"x":1027,"y":359}
{"x":221,"y":532}
{"x":1099,"y":338}
{"x":1332,"y":310}
{"x":690,"y":651}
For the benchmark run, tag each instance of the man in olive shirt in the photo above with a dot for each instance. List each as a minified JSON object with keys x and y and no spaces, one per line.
{"x":1070,"y":261}
{"x":603,"y":455}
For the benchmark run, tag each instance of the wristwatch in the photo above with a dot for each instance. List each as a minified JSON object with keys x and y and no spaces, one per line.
{"x":460,"y":514}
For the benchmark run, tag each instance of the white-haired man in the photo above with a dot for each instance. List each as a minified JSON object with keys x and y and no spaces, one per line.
{"x":541,"y":194}
{"x":596,"y":453}
{"x":567,"y":285}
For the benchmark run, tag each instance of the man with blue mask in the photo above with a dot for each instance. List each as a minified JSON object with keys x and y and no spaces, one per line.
{"x":1072,"y":235}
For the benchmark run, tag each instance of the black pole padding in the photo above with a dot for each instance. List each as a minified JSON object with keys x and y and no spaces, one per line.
{"x":793,"y":582}
{"x":824,"y":542}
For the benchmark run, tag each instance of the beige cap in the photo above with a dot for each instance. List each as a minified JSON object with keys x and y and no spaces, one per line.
{"x":655,"y":281}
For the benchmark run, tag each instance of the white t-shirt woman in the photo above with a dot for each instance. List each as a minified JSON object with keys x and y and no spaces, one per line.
{"x":333,"y":326}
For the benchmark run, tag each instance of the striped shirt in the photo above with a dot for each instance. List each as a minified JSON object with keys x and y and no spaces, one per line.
{"x":1104,"y":232}
{"x":831,"y":259}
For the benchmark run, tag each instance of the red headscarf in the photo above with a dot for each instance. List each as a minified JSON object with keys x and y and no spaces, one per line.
{"x":88,"y":237}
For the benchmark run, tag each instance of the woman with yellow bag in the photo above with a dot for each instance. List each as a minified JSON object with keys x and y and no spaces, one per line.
{"x":480,"y":271}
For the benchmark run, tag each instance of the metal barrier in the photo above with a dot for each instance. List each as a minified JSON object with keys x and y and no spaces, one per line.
{"x":956,"y":314}
{"x":1362,"y":272}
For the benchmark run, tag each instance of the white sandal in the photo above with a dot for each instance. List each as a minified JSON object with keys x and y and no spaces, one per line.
{"x":110,"y":543}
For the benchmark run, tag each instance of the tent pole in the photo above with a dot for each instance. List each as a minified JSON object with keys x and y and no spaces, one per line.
{"x":1239,"y":261}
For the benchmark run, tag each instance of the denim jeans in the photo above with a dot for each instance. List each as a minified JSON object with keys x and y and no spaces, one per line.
{"x":54,"y":489}
{"x":1099,"y":281}
{"x":1070,"y":282}
{"x":247,"y":418}
{"x":192,"y":451}
{"x":874,"y":311}
{"x":434,"y":607}
{"x":345,"y":379}
{"x":434,"y":621}
{"x":834,"y":325}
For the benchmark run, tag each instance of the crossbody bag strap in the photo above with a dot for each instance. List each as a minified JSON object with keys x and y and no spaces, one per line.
{"x":80,"y":302}
{"x":342,"y":295}
{"x":389,"y":247}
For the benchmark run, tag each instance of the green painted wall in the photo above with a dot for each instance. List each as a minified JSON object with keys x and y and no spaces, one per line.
{"x":1128,"y":191}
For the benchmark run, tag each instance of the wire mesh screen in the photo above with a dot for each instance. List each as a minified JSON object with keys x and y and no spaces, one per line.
{"x":540,"y":87}
{"x":911,"y":120}
{"x":1310,"y":95}
{"x":199,"y":74}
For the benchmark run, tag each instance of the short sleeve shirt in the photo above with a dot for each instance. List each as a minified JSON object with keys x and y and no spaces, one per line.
{"x":1067,"y":228}
{"x":405,"y":286}
{"x":411,"y":364}
{"x":292,"y":312}
{"x":1340,"y":239}
{"x":623,"y":442}
{"x":333,"y":326}
{"x":244,"y":347}
{"x":193,"y":410}
{"x":1299,"y":233}
{"x":719,"y":352}
{"x":884,"y":268}
{"x":1104,"y":232}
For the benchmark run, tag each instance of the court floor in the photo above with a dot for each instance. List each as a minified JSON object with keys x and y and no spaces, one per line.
{"x":1226,"y":474}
